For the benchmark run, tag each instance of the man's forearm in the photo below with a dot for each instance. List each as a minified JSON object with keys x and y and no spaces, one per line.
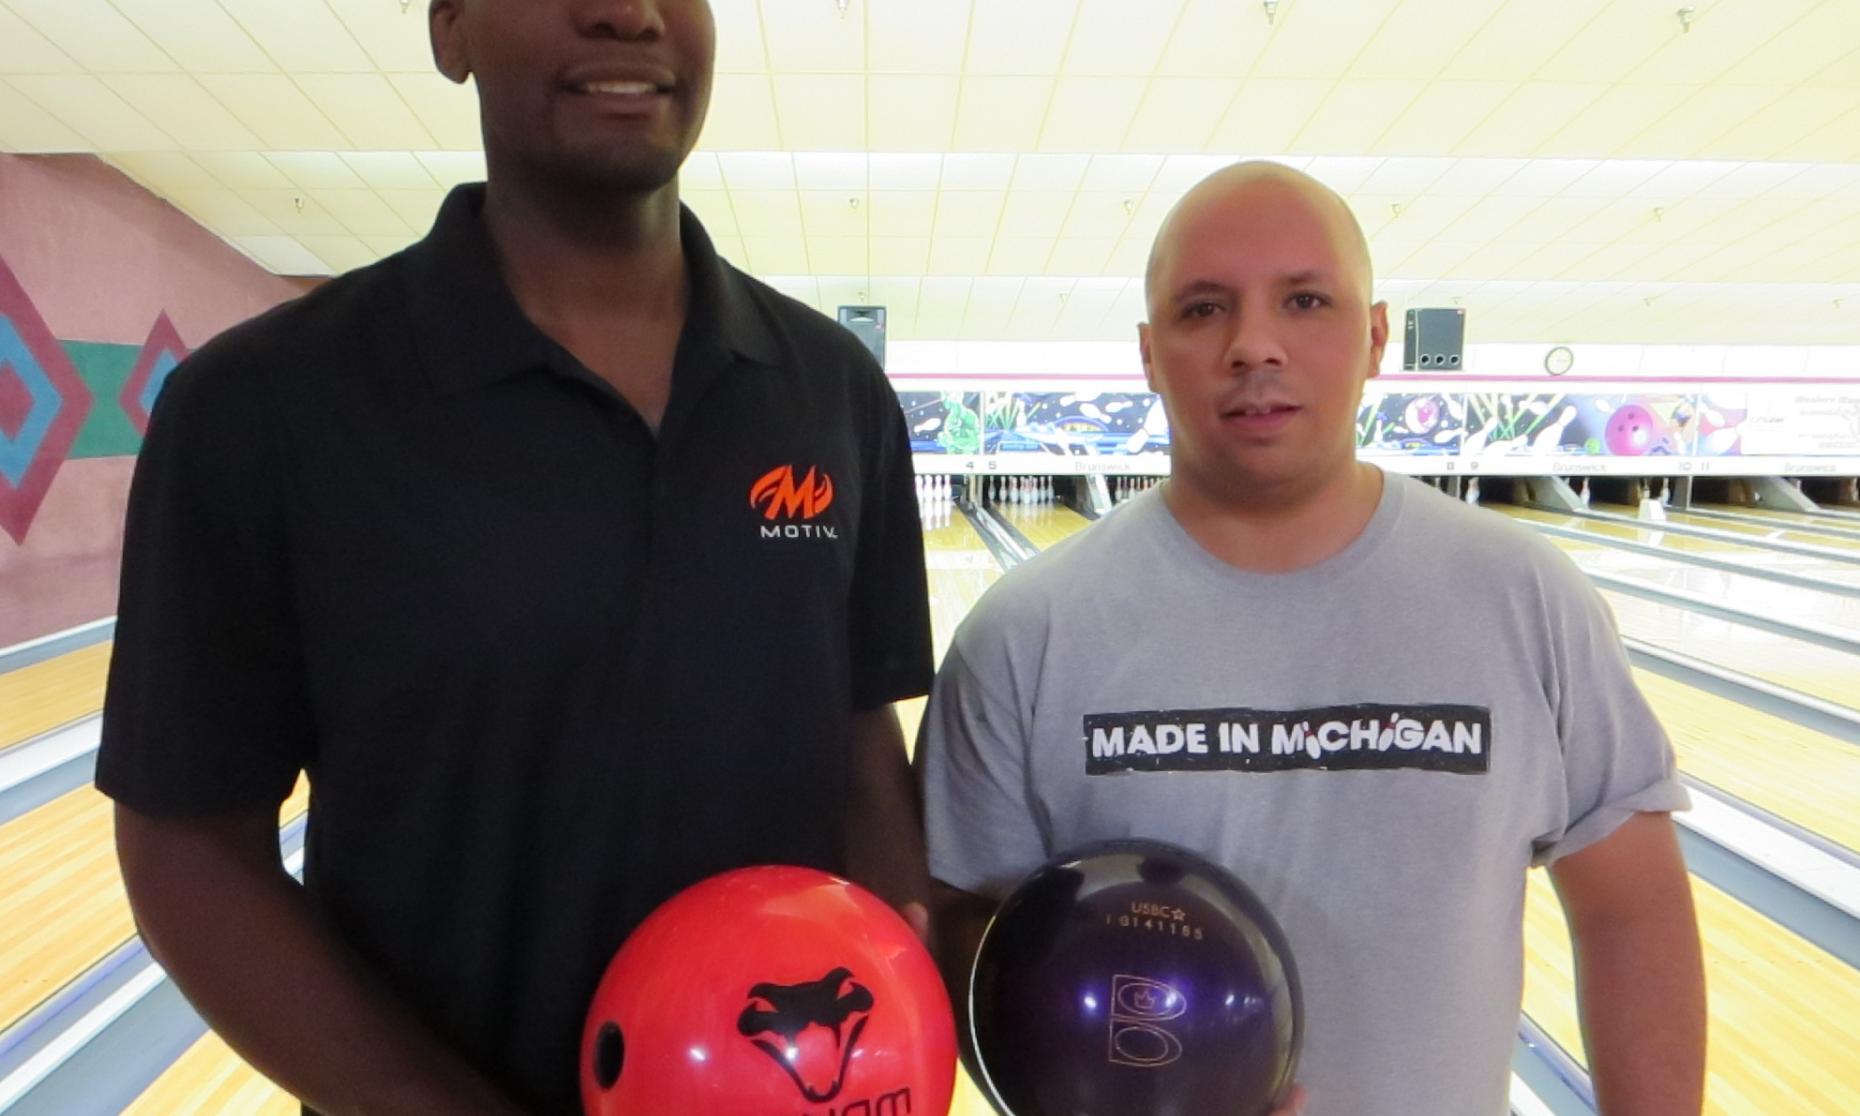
{"x":259,"y":963}
{"x":1642,"y":996}
{"x":884,"y":826}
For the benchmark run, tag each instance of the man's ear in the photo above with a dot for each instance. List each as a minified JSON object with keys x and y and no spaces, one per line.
{"x":445,"y":28}
{"x":1378,"y":337}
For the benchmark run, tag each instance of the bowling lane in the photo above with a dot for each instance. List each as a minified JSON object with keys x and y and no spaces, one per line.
{"x":209,"y":1077}
{"x":960,"y":570}
{"x":1749,"y":591}
{"x":62,"y":906}
{"x":1042,"y":524}
{"x":1795,"y":773}
{"x":1819,"y":671}
{"x":38,"y":698}
{"x":1777,"y":532}
{"x":1838,"y":519}
{"x":1784,"y":1016}
{"x":1751,"y":555}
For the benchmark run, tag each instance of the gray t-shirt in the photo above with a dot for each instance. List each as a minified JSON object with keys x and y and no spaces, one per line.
{"x":1379,"y":745}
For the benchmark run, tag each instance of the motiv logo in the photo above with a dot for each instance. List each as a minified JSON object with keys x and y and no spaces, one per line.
{"x":782,"y":496}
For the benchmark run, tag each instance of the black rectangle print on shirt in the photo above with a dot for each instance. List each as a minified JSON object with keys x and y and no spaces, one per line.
{"x":1450,"y":738}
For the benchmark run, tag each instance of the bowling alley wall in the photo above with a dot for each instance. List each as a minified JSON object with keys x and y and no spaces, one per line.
{"x":103,"y":287}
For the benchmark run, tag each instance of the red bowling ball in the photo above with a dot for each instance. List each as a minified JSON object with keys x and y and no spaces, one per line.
{"x":770,"y":992}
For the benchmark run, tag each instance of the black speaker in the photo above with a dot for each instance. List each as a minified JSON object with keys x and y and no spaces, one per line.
{"x":1434,"y":340}
{"x":868,"y":324}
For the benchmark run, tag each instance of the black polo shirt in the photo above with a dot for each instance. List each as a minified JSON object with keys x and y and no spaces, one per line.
{"x":543,"y":667}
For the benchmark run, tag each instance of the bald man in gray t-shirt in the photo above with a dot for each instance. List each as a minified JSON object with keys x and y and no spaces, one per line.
{"x":1380,"y":745}
{"x":1376,"y":705}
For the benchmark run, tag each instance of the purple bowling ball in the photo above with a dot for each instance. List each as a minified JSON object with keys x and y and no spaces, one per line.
{"x":1135,"y":978}
{"x":1632,"y":431}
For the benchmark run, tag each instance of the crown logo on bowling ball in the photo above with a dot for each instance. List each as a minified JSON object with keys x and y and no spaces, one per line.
{"x":809,"y":1029}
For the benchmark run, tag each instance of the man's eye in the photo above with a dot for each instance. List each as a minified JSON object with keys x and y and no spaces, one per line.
{"x":1305,"y":300}
{"x":1203,"y":309}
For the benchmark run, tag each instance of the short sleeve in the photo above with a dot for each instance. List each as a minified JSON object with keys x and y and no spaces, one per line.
{"x":205,"y":709}
{"x":1617,"y":760}
{"x":889,"y":612}
{"x":981,"y":829}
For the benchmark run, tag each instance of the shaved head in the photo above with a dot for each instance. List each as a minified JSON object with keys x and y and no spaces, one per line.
{"x":1241,"y":183}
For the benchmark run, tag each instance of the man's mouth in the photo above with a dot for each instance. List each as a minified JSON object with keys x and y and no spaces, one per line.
{"x":1255,"y":410}
{"x":619,"y":88}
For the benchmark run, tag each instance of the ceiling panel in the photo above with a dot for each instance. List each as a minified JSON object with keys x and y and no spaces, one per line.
{"x":88,"y":107}
{"x":1322,"y":38}
{"x":1354,"y":115}
{"x":24,"y":51}
{"x":742,"y":115}
{"x":224,"y":211}
{"x":1612,"y":119}
{"x":805,"y":36}
{"x":1216,"y":38}
{"x":389,"y":170}
{"x":739,"y":37}
{"x":821,"y":112}
{"x":1267,"y":114}
{"x":273,"y":106}
{"x":243,"y":170}
{"x":184,"y":110}
{"x":163,"y":172}
{"x":315,"y":170}
{"x":25,"y":127}
{"x":282,"y":254}
{"x":834,"y":213}
{"x":997,"y":113}
{"x":95,"y":35}
{"x":1107,"y":41}
{"x":917,"y":38}
{"x":1442,"y":115}
{"x":449,"y":112}
{"x":303,"y":36}
{"x":1518,"y":39}
{"x":363,"y":213}
{"x":1421,"y":37}
{"x":910,"y":112}
{"x":903,"y":213}
{"x":394,"y":36}
{"x":1529,"y":117}
{"x":1090,"y":114}
{"x":368,"y":111}
{"x":1020,"y":37}
{"x":1178,"y":114}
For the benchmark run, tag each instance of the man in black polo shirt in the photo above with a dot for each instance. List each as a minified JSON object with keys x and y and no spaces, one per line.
{"x":571,"y":564}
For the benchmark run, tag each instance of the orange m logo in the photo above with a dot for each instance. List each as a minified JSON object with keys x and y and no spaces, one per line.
{"x":779,"y":494}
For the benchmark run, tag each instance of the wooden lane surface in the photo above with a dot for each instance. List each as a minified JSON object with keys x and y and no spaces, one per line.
{"x":1822,"y":672}
{"x":1043,"y":524}
{"x":1748,"y":591}
{"x":1847,"y":522}
{"x":1748,"y":554}
{"x":1784,"y":1017}
{"x":1780,"y":532}
{"x":1808,"y":778}
{"x":61,"y":897}
{"x":38,"y":698}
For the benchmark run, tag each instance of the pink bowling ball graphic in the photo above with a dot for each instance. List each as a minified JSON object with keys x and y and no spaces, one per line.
{"x":1632,"y":431}
{"x":1422,"y":414}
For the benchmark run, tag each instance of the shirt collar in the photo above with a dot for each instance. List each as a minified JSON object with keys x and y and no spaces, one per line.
{"x":471,"y":332}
